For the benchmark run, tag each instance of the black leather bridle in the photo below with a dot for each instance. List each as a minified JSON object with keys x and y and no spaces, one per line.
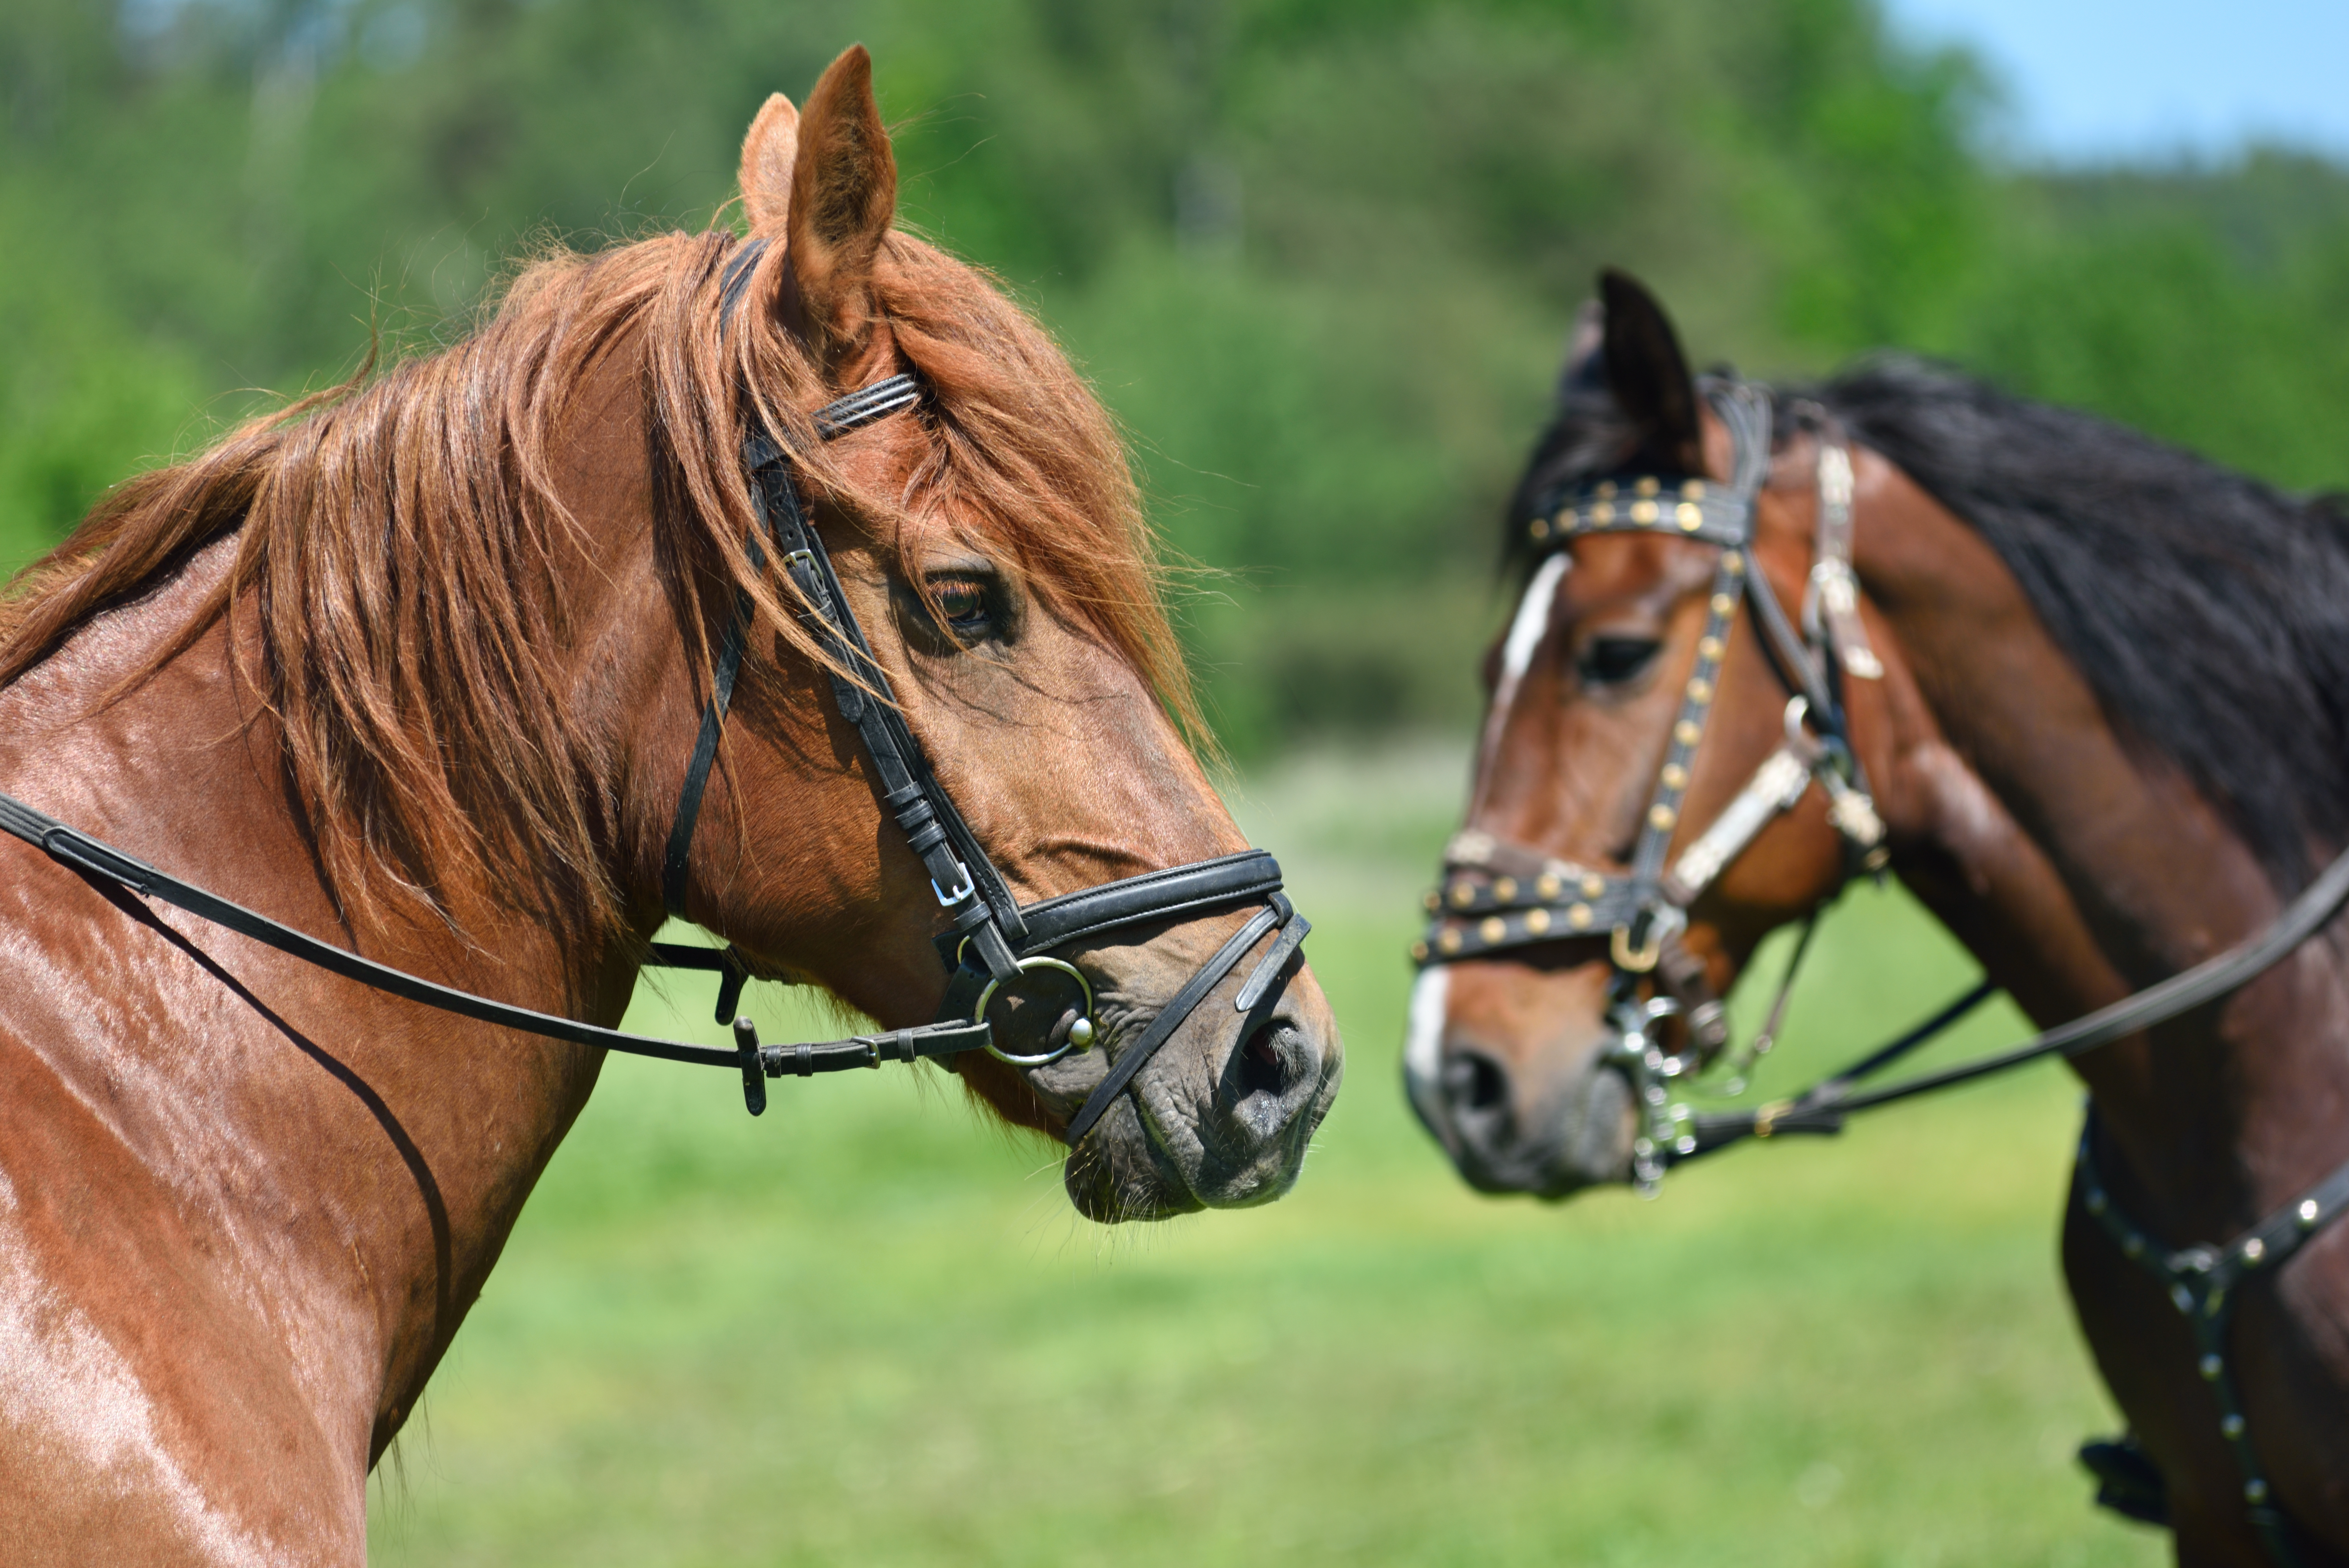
{"x":993,"y":942}
{"x":1499,"y":897}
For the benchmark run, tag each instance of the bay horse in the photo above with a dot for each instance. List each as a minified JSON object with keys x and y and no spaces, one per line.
{"x":417,"y":669}
{"x":2082,"y":693}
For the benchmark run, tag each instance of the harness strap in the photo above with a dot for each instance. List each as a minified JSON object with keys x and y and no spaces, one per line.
{"x":1831,"y":602}
{"x":1823,"y":1107}
{"x":2201,"y":1283}
{"x":1774,"y":788}
{"x":70,"y":847}
{"x":722,"y":675}
{"x":1169,"y":894}
{"x":961,"y":874}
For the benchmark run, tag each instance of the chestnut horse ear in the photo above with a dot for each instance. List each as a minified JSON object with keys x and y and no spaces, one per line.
{"x":1650,"y":378}
{"x":767,"y":156}
{"x":844,"y":198}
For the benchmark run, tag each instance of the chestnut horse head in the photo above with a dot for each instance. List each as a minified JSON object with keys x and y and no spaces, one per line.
{"x":2079,"y":690}
{"x":419,"y":666}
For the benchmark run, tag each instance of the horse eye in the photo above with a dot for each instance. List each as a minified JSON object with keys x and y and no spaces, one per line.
{"x":1612,"y":661}
{"x":964,"y":609}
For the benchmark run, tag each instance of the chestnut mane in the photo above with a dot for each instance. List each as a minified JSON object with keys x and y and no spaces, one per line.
{"x":395,"y":539}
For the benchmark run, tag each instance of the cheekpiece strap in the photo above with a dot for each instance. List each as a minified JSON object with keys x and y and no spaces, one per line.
{"x":778,"y":502}
{"x":1536,"y":900}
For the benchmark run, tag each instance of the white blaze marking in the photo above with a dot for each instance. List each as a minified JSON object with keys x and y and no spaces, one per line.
{"x":1526,"y":633}
{"x":1423,"y":1048}
{"x":1532,"y":621}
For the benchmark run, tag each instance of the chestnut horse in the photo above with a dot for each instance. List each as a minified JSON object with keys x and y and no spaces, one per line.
{"x":2086,"y":691}
{"x":418,"y":666}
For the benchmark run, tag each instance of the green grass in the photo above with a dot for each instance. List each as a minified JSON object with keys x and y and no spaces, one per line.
{"x":866,"y":1328}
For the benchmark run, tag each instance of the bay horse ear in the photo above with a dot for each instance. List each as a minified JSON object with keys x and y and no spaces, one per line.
{"x":768,"y":152}
{"x":844,"y":198}
{"x":1650,"y":376}
{"x":1586,"y":364}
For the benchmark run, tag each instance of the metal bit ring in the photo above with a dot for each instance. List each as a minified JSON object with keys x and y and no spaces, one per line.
{"x":1081,"y":1033}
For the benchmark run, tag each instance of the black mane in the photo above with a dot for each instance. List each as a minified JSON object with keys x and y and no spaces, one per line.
{"x":2208,"y":611}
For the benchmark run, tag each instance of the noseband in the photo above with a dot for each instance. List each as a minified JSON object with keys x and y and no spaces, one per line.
{"x":1498,"y":896}
{"x":993,"y":940}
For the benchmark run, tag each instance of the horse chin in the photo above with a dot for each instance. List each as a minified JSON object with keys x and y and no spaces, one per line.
{"x":1122,"y":1173}
{"x":1594,"y":1143}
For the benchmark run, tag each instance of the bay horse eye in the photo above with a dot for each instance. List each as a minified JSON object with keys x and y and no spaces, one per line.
{"x":1612,"y":661}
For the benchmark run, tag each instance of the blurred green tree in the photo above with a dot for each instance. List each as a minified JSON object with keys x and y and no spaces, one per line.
{"x":1319,"y":256}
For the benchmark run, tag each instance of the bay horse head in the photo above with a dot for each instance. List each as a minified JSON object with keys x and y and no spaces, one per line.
{"x":430,"y":671}
{"x":1660,"y":779}
{"x":2087,"y":706}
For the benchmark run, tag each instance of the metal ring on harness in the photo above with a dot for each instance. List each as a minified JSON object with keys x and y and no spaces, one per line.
{"x":1081,"y":1033}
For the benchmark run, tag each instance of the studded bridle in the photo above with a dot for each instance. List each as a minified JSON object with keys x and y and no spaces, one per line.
{"x":994,"y":940}
{"x":1496,"y":896}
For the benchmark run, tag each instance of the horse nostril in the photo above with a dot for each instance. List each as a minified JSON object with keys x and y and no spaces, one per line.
{"x":1261,"y":1067}
{"x":1476,"y":1082}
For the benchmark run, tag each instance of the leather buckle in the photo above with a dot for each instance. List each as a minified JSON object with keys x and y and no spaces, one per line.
{"x":960,"y":893}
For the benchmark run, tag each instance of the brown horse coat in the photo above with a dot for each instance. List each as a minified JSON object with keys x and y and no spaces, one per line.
{"x":417,"y":668}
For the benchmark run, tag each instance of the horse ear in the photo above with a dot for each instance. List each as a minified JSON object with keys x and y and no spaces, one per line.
{"x":1650,"y":376}
{"x":844,"y":198}
{"x":1586,"y":363}
{"x":767,"y":155}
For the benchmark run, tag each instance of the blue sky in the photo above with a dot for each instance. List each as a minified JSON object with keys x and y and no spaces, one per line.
{"x":2137,"y":80}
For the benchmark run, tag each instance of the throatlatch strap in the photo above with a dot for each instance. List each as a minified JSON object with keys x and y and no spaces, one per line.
{"x":705,"y":752}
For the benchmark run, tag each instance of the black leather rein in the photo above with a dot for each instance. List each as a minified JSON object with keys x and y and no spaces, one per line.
{"x":993,"y":940}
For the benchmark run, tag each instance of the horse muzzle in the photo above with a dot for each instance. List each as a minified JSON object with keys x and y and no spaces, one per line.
{"x":1521,"y":1099}
{"x":1221,"y":1114}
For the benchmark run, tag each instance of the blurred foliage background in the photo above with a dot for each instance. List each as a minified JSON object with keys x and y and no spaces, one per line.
{"x":1320,"y":254}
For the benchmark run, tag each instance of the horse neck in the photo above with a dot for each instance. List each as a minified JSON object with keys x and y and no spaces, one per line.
{"x":404,"y":1140}
{"x":2077,"y":871}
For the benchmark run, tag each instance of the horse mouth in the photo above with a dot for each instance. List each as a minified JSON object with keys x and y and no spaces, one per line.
{"x":1577,"y":1137}
{"x":1120,"y":1174}
{"x":1182,"y":1139}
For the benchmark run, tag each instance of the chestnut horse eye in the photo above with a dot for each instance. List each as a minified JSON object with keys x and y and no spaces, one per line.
{"x":964,"y":609}
{"x":1612,"y":661}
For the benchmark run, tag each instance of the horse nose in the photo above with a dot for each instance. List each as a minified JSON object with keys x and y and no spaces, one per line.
{"x":1476,"y":1091}
{"x":1509,"y":1131}
{"x":1276,"y":1083}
